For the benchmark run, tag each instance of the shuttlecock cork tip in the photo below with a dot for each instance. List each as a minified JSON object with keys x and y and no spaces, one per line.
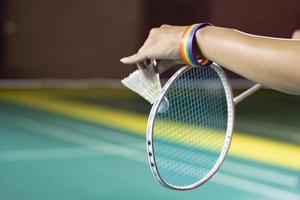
{"x":164,"y":106}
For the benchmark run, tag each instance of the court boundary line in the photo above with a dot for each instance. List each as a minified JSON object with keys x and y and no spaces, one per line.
{"x":47,"y":153}
{"x":278,"y":153}
{"x":131,"y":154}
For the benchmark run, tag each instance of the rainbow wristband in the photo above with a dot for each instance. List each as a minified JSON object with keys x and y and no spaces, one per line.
{"x":186,"y":46}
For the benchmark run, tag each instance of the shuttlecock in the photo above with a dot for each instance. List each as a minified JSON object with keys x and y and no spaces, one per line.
{"x":146,"y":83}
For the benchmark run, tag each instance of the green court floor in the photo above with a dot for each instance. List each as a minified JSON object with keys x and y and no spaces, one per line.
{"x":48,"y":154}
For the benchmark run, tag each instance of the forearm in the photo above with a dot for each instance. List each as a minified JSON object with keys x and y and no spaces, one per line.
{"x":272,"y":62}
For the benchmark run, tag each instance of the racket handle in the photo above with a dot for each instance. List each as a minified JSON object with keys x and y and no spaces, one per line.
{"x":246,"y":93}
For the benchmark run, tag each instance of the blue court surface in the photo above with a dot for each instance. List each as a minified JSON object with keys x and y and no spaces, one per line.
{"x":90,"y":144}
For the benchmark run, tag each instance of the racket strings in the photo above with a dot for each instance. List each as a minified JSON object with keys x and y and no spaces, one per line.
{"x":189,"y":137}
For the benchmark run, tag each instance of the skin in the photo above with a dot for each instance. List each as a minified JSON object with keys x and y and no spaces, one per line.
{"x":273,"y":62}
{"x":296,"y":34}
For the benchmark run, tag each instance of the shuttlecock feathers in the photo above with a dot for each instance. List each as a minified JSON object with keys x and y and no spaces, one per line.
{"x":145,"y":82}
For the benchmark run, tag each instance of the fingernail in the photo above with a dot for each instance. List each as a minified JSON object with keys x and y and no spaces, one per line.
{"x":123,"y":60}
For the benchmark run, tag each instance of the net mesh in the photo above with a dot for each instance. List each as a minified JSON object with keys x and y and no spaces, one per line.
{"x":189,"y":136}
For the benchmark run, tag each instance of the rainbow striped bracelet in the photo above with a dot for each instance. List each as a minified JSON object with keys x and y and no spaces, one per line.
{"x":186,"y":46}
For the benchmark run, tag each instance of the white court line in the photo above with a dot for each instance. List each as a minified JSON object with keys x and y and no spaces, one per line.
{"x":53,"y":153}
{"x":260,"y":174}
{"x":93,"y":130}
{"x":50,"y":153}
{"x":78,"y":138}
{"x":138,"y":146}
{"x":79,"y":152}
{"x":257,"y":188}
{"x":240,"y":169}
{"x":61,"y":133}
{"x":235,"y":182}
{"x":131,"y":154}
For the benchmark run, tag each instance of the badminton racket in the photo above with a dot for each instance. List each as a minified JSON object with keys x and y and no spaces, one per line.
{"x":188,"y":142}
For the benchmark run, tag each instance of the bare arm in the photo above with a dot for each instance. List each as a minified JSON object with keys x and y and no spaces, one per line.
{"x":273,"y":62}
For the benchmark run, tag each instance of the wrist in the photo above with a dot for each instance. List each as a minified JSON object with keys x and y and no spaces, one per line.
{"x":189,"y":48}
{"x":200,"y":38}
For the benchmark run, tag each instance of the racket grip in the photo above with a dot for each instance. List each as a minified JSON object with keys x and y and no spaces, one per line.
{"x":246,"y":93}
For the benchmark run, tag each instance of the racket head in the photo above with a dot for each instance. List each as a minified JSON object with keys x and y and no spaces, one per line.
{"x":173,"y":155}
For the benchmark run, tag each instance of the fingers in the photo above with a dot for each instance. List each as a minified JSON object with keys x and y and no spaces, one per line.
{"x":162,"y":43}
{"x":138,"y":57}
{"x":144,"y":64}
{"x":164,"y":26}
{"x":164,"y":65}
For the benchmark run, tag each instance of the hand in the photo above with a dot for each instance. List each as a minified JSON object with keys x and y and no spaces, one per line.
{"x":162,"y":44}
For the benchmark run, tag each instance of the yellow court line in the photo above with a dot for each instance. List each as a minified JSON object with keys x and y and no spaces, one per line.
{"x":243,"y":145}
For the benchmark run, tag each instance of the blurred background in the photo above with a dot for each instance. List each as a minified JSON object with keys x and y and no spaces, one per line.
{"x":69,"y":130}
{"x":72,"y":39}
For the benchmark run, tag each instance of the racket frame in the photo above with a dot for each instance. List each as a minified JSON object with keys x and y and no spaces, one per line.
{"x":230,"y":125}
